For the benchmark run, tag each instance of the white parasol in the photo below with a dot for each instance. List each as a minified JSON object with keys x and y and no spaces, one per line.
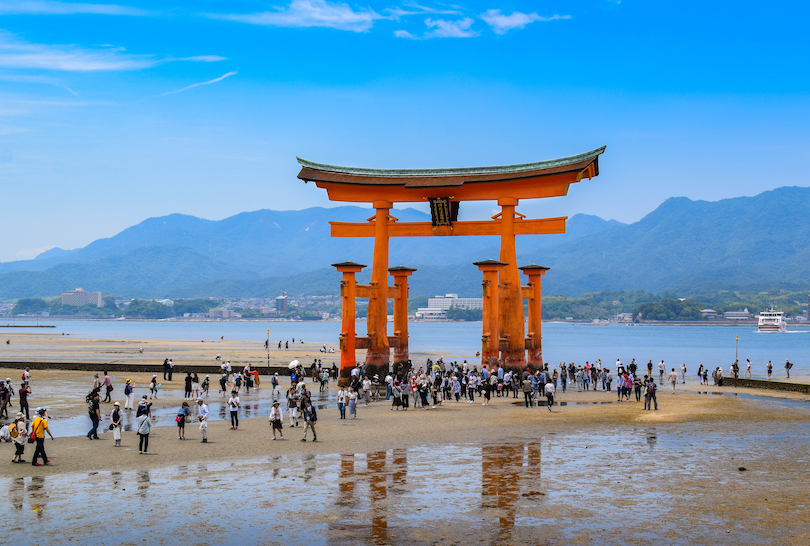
{"x":293,"y":365}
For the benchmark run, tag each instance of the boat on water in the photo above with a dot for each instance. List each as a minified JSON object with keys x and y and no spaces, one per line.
{"x":772,"y":321}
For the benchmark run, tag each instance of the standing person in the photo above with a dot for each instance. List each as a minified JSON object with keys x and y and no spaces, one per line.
{"x":367,"y":390}
{"x":649,"y":368}
{"x":19,"y":437}
{"x":129,"y":392}
{"x":144,"y":428}
{"x":26,"y":376}
{"x":3,"y":400}
{"x":650,"y":397}
{"x":310,"y":418}
{"x":25,"y":390}
{"x":39,"y":427}
{"x":187,"y":386}
{"x":276,"y":420}
{"x":223,"y":383}
{"x":673,"y":379}
{"x":116,"y":423}
{"x":171,"y":369}
{"x":95,"y":417}
{"x":341,"y":402}
{"x":195,"y":387}
{"x":203,"y":418}
{"x":108,"y":388}
{"x":389,"y":386}
{"x":396,"y":396}
{"x":769,"y":367}
{"x":549,"y":390}
{"x":788,"y":366}
{"x":747,"y":368}
{"x":527,"y":392}
{"x":683,"y":373}
{"x":352,"y":403}
{"x":292,"y":405}
{"x":182,"y":415}
{"x":637,"y":385}
{"x":661,"y":369}
{"x":700,"y":374}
{"x":165,"y":368}
{"x":96,"y":383}
{"x":233,"y":406}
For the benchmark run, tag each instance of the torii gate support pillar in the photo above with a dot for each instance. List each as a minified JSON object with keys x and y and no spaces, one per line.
{"x":348,"y":336}
{"x":401,"y":274}
{"x":512,"y":324}
{"x":490,"y":333}
{"x":534,"y":339}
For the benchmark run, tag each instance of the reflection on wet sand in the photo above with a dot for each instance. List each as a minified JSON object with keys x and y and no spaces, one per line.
{"x":507,"y":473}
{"x":142,"y":477}
{"x":16,"y":493}
{"x":37,"y":497}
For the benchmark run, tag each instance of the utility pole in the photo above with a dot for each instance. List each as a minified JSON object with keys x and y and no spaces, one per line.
{"x":268,"y":351}
{"x":736,"y":349}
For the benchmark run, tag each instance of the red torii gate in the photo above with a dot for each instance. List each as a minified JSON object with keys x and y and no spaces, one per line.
{"x":503,"y":335}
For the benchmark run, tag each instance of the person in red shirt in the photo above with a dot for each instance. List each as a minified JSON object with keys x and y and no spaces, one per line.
{"x":24,"y":392}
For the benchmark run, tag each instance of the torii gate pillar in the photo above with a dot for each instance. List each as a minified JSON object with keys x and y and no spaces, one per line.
{"x":534,"y":339}
{"x":401,"y":274}
{"x":510,"y":301}
{"x":348,"y":335}
{"x":377,"y":357}
{"x":490,"y":337}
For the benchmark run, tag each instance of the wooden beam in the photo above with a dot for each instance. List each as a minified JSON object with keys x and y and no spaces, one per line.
{"x":542,"y":226}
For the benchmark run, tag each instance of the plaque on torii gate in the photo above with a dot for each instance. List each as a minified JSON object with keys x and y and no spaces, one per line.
{"x":444,"y":189}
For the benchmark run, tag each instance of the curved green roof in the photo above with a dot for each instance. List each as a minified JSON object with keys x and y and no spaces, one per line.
{"x":464,"y":171}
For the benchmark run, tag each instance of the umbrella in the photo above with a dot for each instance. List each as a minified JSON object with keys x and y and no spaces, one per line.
{"x":293,"y":365}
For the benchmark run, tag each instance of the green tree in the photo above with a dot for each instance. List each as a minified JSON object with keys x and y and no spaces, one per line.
{"x":28,"y":306}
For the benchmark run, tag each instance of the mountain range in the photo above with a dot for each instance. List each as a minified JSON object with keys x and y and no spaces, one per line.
{"x":683,"y":245}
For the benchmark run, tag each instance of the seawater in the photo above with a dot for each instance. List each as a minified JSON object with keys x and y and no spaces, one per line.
{"x":562,"y":342}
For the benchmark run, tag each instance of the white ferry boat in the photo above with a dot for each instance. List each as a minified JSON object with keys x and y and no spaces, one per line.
{"x":772,"y":321}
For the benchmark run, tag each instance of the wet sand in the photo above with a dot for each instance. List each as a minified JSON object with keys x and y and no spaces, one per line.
{"x":592,"y":471}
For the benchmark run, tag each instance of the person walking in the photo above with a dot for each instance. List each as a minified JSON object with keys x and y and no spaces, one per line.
{"x":182,"y":415}
{"x":95,"y":417}
{"x":165,"y":368}
{"x":153,"y":387}
{"x":24,"y":391}
{"x":233,"y":406}
{"x":144,"y":428}
{"x":353,"y":403}
{"x":116,"y":423}
{"x":661,"y":369}
{"x":202,"y":417}
{"x":292,"y":405}
{"x":549,"y":390}
{"x":39,"y":427}
{"x":108,"y":388}
{"x":310,"y":418}
{"x":649,"y":397}
{"x":19,"y":435}
{"x":171,"y":369}
{"x":747,"y":368}
{"x":195,"y":387}
{"x":367,"y":390}
{"x":673,"y":379}
{"x":276,"y":420}
{"x":341,"y":402}
{"x":129,"y":392}
{"x":683,"y":373}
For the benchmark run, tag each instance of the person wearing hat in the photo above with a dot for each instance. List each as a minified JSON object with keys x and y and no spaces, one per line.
{"x":129,"y":391}
{"x":39,"y":427}
{"x":203,"y":417}
{"x":19,"y":434}
{"x":276,"y":419}
{"x":116,"y":423}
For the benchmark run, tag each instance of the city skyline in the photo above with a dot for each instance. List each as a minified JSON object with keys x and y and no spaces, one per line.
{"x":113,"y":113}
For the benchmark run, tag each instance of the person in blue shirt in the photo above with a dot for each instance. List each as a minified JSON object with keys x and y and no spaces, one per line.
{"x":182,"y":414}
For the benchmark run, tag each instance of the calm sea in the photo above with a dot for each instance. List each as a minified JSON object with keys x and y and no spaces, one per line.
{"x":692,"y":345}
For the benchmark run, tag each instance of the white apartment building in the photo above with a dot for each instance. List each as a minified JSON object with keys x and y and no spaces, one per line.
{"x":80,"y":297}
{"x":438,"y":306}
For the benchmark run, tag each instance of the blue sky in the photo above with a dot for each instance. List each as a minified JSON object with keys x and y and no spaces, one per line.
{"x":112,"y":113}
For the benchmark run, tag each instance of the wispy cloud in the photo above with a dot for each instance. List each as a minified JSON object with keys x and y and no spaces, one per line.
{"x":52,"y":7}
{"x":192,"y":86}
{"x":412,"y":8}
{"x":502,"y":23}
{"x":204,"y":59}
{"x":311,"y":13}
{"x":17,"y":54}
{"x":441,"y":28}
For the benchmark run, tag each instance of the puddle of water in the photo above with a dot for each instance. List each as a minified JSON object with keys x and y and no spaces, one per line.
{"x":507,"y":492}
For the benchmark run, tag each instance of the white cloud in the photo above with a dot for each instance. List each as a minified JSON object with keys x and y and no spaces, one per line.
{"x":405,"y":34}
{"x":17,"y":54}
{"x":502,"y":23}
{"x":412,"y":8}
{"x":209,"y":82}
{"x":50,"y":7}
{"x":204,"y":59}
{"x":311,"y":13}
{"x":450,"y":29}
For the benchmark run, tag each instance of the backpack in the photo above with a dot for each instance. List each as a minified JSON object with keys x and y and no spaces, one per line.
{"x":127,"y":389}
{"x":12,"y":430}
{"x":651,"y":387}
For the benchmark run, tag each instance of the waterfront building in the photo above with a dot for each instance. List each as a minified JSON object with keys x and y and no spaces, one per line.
{"x":438,"y":306}
{"x":81,"y":297}
{"x":709,"y":314}
{"x":742,"y":314}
